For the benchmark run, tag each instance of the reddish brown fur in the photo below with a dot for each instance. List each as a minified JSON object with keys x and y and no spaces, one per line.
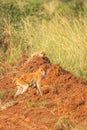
{"x":28,"y":79}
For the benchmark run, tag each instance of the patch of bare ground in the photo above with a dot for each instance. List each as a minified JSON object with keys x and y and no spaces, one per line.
{"x":64,"y":95}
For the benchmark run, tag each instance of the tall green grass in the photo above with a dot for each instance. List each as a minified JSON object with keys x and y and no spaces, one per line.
{"x":63,"y":39}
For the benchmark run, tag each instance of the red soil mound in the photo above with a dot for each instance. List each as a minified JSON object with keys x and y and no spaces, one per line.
{"x":57,"y":75}
{"x":63,"y":95}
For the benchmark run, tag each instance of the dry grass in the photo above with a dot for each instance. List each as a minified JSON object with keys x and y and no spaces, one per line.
{"x":63,"y":39}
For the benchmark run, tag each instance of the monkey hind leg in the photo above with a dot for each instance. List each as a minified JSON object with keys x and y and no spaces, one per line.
{"x":25,"y":88}
{"x":18,"y":91}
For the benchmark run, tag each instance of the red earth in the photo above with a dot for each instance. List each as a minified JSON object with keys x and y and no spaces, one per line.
{"x":64,"y":96}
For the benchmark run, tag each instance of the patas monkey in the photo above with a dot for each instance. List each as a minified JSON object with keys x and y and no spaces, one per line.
{"x":23,"y":82}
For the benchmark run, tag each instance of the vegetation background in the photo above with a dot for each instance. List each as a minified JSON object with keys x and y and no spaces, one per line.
{"x":58,"y":27}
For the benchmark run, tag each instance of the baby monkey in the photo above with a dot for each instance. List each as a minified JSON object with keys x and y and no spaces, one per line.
{"x":24,"y":81}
